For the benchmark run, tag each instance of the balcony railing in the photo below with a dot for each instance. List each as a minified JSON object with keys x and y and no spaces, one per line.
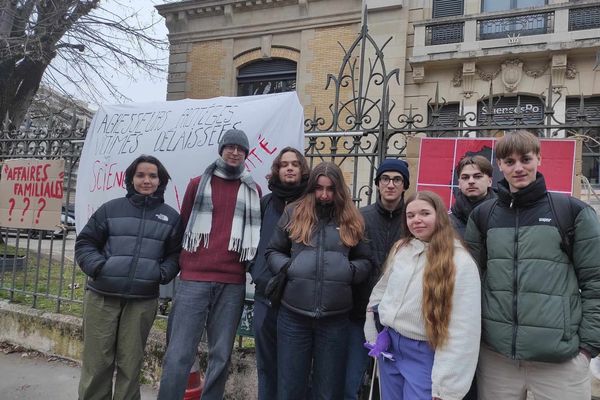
{"x":571,"y":18}
{"x":584,"y":18}
{"x":444,"y":34}
{"x":520,"y":25}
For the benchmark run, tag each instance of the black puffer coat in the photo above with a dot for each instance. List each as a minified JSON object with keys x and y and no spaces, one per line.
{"x":462,"y":207}
{"x":383,"y":228}
{"x":321,"y":275}
{"x":129,"y":246}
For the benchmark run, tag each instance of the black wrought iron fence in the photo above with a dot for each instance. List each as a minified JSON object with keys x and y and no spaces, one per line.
{"x":37,"y":267}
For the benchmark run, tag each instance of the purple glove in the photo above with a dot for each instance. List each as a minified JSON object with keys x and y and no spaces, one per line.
{"x":382,"y":343}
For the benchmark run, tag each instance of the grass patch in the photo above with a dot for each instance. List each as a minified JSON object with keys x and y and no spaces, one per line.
{"x":42,"y":283}
{"x":46,"y":284}
{"x":6,"y":250}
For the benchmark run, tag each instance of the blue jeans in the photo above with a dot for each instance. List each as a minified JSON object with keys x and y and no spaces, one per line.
{"x":265,"y":340}
{"x":199,"y":305}
{"x":357,"y":359}
{"x":303,"y":341}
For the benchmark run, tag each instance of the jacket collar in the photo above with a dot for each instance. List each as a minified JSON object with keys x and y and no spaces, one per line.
{"x":384,"y":211}
{"x":524,"y":197}
{"x":462,"y":207}
{"x":140,"y":200}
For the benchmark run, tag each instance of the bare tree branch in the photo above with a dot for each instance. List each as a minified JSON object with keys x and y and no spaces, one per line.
{"x":70,"y":40}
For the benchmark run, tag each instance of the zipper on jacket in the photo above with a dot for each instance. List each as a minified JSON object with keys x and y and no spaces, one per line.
{"x":319,"y":274}
{"x":515,"y":285}
{"x":138,"y":246}
{"x":388,"y":233}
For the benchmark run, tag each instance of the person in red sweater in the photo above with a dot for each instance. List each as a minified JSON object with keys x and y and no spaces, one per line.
{"x":221,"y":212}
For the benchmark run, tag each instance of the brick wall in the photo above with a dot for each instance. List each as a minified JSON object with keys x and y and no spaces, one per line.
{"x":327,"y":56}
{"x":205,"y":70}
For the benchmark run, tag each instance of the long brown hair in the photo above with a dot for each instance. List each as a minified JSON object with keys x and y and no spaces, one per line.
{"x":440,"y":271}
{"x":304,"y":220}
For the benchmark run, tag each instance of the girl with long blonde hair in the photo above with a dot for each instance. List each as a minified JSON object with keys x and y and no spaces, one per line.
{"x":428,"y":302}
{"x":319,"y":242}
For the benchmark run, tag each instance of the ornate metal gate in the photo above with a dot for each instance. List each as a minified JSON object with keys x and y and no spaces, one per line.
{"x":365,"y":125}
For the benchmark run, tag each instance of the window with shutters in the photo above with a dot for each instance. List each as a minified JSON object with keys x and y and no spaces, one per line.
{"x":523,"y":25}
{"x":591,"y":150}
{"x":445,"y":116}
{"x":584,"y":18}
{"x":266,"y":76}
{"x":446,"y":33}
{"x":505,"y":5}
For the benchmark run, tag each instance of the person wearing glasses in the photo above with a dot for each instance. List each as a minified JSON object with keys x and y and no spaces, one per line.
{"x":221,"y":212}
{"x":382,"y":229}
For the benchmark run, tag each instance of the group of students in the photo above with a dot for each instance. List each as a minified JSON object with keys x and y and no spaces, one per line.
{"x":517,"y":302}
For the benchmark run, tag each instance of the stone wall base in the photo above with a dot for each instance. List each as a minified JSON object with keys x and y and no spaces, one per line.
{"x":61,"y":335}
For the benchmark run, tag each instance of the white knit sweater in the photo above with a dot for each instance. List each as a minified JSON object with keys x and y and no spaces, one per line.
{"x":399,"y":294}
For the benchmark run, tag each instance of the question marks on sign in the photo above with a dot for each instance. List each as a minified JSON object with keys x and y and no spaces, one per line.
{"x":12,"y":202}
{"x":28,"y":202}
{"x":42,"y":204}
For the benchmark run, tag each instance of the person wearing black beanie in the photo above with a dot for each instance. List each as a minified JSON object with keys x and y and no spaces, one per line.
{"x":383,"y":229}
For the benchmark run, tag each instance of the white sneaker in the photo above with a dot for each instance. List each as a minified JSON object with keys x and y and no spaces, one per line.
{"x":595,"y":367}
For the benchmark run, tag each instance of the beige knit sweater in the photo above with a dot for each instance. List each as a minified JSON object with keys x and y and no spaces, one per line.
{"x":399,"y":294}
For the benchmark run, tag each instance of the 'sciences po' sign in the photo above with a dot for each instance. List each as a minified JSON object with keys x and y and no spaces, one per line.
{"x":31,"y":193}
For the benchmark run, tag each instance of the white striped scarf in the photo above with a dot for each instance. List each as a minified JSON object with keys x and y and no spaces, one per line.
{"x":245,"y":226}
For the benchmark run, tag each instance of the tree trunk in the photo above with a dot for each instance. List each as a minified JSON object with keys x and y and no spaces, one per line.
{"x":18,"y":86}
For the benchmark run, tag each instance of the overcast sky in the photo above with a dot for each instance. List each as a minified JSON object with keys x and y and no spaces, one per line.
{"x":144,"y":88}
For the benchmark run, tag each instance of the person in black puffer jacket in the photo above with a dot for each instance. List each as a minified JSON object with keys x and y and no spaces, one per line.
{"x":474,"y":187}
{"x":129,"y":246}
{"x":320,"y":240}
{"x":289,"y":175}
{"x":383,"y":228}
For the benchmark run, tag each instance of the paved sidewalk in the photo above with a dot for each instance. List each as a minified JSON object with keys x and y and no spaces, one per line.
{"x":31,"y":376}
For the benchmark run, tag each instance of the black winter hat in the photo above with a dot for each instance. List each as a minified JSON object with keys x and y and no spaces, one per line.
{"x":391,"y":164}
{"x":234,"y":136}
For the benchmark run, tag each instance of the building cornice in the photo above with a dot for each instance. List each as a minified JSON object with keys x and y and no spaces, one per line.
{"x":207,"y":8}
{"x":260,"y":28}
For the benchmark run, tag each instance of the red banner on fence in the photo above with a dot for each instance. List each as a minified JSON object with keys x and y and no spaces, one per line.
{"x":439,"y":157}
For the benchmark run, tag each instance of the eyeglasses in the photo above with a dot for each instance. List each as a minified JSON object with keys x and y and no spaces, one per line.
{"x":397,"y":180}
{"x":233,"y":147}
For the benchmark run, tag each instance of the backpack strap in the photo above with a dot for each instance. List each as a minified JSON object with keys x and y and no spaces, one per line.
{"x":565,"y":221}
{"x":485,"y":209}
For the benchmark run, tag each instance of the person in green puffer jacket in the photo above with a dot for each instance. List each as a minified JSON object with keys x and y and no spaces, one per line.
{"x":540,"y":306}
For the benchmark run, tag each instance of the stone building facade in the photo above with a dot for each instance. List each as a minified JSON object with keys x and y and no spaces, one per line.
{"x":515,"y":51}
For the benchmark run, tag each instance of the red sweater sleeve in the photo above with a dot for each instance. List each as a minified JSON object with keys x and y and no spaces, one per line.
{"x":188,"y":200}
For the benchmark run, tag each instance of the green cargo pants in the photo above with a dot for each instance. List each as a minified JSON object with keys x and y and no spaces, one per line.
{"x":115,"y":331}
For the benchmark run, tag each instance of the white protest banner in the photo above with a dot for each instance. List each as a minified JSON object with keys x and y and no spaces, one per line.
{"x":31,"y":193}
{"x":184,"y":136}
